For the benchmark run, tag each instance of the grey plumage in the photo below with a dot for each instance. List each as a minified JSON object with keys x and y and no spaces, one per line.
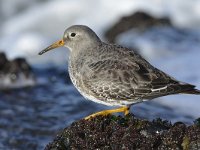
{"x":115,"y":75}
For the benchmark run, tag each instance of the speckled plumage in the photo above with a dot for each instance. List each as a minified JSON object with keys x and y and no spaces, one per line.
{"x":115,"y":75}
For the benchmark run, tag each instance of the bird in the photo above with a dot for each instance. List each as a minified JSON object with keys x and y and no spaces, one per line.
{"x":112,"y":74}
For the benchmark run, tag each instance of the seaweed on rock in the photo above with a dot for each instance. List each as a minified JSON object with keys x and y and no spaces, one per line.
{"x":116,"y":132}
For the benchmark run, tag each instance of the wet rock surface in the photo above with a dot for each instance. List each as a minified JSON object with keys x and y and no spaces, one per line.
{"x":14,"y":72}
{"x":3,"y":62}
{"x":138,"y":20}
{"x":116,"y":132}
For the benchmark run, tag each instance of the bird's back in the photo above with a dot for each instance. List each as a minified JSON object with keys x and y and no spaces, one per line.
{"x":112,"y":73}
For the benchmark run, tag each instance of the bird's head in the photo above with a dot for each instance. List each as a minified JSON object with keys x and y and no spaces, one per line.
{"x":75,"y":37}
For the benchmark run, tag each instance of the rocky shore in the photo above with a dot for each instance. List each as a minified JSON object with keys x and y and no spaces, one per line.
{"x":139,"y":20}
{"x":129,"y":132}
{"x":15,"y":73}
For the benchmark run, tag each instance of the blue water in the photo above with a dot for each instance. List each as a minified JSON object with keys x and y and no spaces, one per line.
{"x":31,"y":117}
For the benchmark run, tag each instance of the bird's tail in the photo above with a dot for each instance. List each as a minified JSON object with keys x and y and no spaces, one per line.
{"x":190,"y":89}
{"x":194,"y":91}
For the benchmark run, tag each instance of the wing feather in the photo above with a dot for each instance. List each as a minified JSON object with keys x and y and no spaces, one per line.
{"x":125,"y":76}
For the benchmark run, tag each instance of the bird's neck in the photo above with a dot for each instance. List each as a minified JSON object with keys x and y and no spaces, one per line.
{"x":79,"y":56}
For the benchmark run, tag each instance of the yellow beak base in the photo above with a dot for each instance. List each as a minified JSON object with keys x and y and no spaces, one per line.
{"x":52,"y":46}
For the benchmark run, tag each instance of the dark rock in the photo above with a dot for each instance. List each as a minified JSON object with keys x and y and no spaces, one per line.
{"x":15,"y":73}
{"x":19,"y":65}
{"x":192,"y":138}
{"x":3,"y":60}
{"x":197,"y":122}
{"x":127,"y":132}
{"x":138,"y":20}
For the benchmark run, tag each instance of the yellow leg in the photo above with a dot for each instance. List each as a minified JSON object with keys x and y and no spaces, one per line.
{"x":124,"y":109}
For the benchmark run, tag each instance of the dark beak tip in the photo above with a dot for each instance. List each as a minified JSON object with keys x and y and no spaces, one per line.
{"x":52,"y":46}
{"x":40,"y":53}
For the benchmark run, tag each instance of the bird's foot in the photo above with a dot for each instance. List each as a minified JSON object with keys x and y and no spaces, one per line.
{"x":124,"y":109}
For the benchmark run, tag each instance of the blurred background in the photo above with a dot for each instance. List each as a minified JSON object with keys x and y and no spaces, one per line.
{"x":37,"y":98}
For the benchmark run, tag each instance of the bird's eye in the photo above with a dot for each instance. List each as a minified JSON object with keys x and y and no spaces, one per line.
{"x":73,"y":34}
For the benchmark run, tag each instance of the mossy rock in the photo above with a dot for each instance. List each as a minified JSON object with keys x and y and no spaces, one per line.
{"x":116,"y":132}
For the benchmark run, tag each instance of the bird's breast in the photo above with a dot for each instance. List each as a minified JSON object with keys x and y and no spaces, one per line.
{"x":76,"y":71}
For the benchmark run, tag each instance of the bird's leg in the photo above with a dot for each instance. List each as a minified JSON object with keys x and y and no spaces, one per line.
{"x":126,"y":112}
{"x":124,"y":109}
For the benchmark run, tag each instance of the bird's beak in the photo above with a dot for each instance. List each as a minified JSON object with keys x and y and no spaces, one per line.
{"x":53,"y":46}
